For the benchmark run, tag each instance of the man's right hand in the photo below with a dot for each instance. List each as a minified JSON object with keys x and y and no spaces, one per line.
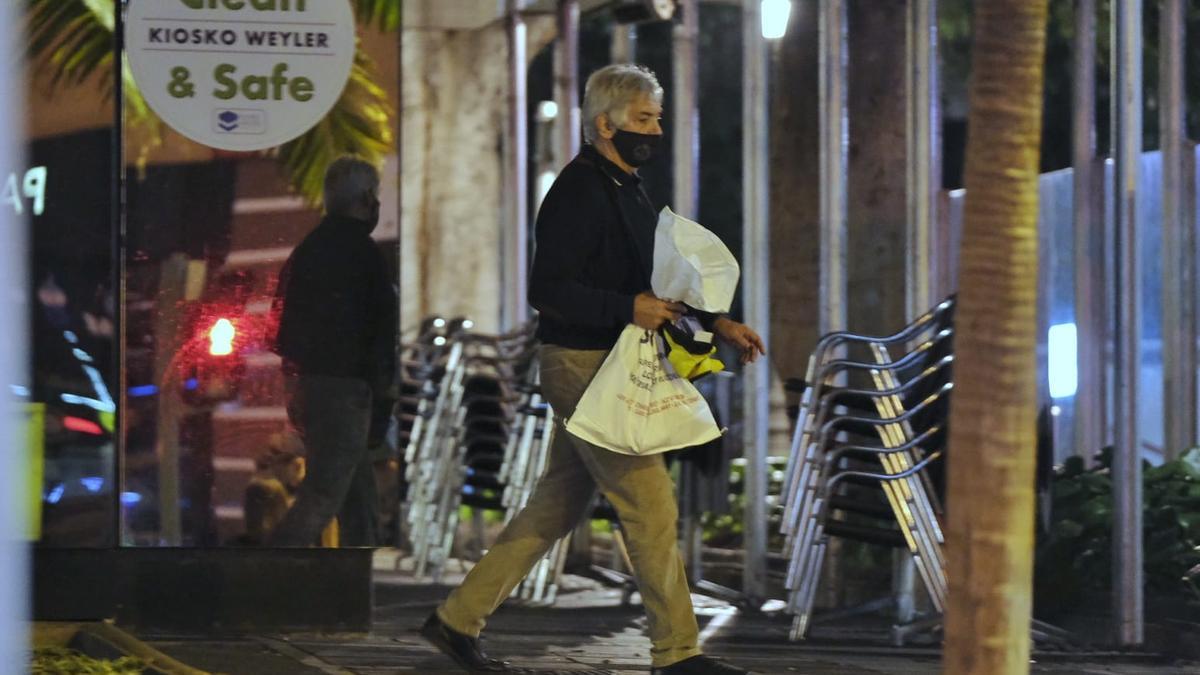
{"x":649,"y":312}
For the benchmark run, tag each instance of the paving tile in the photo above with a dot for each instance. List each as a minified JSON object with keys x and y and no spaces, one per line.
{"x":589,"y":631}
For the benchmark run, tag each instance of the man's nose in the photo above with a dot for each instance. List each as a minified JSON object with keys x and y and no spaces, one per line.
{"x":657,"y":128}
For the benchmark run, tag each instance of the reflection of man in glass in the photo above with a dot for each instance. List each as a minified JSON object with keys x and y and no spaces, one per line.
{"x":337,"y":333}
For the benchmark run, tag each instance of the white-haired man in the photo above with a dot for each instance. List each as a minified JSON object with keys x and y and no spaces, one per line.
{"x":595,"y":246}
{"x":337,"y":337}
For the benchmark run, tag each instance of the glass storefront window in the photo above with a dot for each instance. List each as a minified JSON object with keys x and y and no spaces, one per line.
{"x":161,"y":398}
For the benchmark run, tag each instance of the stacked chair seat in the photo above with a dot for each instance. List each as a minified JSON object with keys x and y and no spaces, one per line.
{"x":477,"y":434}
{"x":865,"y":461}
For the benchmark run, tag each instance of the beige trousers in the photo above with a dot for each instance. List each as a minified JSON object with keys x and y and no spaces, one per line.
{"x":638,"y":487}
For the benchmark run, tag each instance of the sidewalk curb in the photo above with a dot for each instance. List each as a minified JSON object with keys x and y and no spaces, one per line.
{"x":105,"y":640}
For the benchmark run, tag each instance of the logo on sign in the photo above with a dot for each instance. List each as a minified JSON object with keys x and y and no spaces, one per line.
{"x":238,"y":121}
{"x":217,"y":70}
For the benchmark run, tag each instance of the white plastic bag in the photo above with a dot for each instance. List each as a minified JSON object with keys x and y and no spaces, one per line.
{"x":637,"y":405}
{"x":692,"y":265}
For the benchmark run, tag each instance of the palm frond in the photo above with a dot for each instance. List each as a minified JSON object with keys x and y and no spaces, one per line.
{"x":382,"y":14}
{"x":74,"y":38}
{"x":359,"y":124}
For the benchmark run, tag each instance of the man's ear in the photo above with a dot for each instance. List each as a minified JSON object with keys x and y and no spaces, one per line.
{"x":605,"y":126}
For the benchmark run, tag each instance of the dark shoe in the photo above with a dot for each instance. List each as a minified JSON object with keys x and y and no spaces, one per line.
{"x":464,"y":649}
{"x":699,"y":665}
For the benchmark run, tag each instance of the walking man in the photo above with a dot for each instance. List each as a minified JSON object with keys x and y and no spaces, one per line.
{"x":591,"y":272}
{"x":337,"y":337}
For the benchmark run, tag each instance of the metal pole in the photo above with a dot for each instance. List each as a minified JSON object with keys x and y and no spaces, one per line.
{"x":565,"y":147}
{"x":624,"y":43}
{"x":833,"y":157}
{"x":686,"y":119}
{"x":398,"y":527}
{"x":1178,"y":357}
{"x":686,"y":157}
{"x":755,"y":294}
{"x":566,"y":81}
{"x":924,"y":159}
{"x":1127,"y":466}
{"x":1091,"y":333}
{"x":117,"y":257}
{"x":923,"y":261}
{"x":516,"y":235}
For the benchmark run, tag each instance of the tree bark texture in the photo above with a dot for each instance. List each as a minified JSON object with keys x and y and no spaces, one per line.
{"x":992,"y":439}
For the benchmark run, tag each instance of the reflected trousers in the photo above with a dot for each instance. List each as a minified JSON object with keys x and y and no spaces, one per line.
{"x":333,"y":416}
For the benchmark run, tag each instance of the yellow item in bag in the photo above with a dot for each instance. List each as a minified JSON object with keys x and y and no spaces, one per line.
{"x":688,"y":365}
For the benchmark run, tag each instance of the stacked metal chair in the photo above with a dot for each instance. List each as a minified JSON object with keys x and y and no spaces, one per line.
{"x":480,"y":439}
{"x":525,"y":460}
{"x":870,"y":429}
{"x":428,"y":468}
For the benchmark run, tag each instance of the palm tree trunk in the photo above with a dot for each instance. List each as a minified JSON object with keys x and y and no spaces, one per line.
{"x":992,"y":446}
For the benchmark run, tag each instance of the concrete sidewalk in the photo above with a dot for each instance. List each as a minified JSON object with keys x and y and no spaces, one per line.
{"x":589,"y":631}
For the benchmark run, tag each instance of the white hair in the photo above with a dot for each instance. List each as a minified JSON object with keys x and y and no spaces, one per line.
{"x":610,"y":90}
{"x":347,"y":179}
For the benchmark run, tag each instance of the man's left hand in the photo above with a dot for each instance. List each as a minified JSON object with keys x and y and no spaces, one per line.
{"x":741,"y":336}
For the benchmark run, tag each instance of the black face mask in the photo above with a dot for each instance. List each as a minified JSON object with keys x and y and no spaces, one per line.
{"x":636,"y":149}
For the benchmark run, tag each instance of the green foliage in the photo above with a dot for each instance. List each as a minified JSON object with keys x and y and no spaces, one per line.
{"x":359,"y":124}
{"x":1075,"y":558}
{"x":62,"y":661}
{"x":74,"y":40}
{"x":725,"y":530}
{"x":75,"y":36}
{"x":383,"y":14}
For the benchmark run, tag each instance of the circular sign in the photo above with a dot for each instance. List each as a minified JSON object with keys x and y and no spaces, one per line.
{"x":240,"y":74}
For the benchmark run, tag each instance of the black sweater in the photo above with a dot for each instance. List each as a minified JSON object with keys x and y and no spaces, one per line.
{"x":338,"y":314}
{"x":595,"y":248}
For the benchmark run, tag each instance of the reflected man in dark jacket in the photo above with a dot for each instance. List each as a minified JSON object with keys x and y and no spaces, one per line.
{"x":337,"y":335}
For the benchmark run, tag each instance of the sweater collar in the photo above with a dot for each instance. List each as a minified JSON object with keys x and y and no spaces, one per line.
{"x":347,"y":224}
